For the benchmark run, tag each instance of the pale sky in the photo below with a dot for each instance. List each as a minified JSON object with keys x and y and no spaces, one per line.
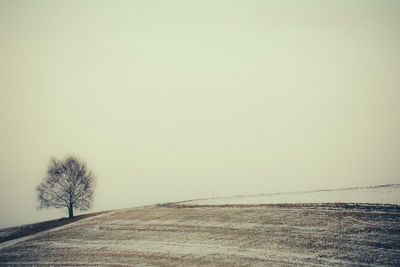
{"x":175,"y":100}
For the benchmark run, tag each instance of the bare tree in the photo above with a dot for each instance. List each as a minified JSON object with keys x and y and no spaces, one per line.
{"x":69,"y":183}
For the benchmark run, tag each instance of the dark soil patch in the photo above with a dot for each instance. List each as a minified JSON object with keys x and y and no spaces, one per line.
{"x":31,"y":229}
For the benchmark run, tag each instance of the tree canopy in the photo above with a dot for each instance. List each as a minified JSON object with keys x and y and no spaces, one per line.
{"x":69,"y":183}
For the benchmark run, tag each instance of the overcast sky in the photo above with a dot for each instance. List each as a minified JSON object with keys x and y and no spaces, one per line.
{"x":175,"y":100}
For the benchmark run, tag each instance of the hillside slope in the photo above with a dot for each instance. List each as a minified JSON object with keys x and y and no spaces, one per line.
{"x":313,"y":234}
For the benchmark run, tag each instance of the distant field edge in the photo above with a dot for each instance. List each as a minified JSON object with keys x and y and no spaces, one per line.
{"x":322,"y":206}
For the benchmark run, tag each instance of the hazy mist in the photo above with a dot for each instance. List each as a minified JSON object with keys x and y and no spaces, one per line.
{"x":175,"y":100}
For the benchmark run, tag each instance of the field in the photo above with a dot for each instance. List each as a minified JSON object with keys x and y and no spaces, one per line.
{"x":199,"y":234}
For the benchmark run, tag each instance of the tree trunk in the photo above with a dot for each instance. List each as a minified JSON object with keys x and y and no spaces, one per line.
{"x":71,"y":211}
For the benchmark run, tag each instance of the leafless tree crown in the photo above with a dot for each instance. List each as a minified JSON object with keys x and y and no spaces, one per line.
{"x":69,"y":183}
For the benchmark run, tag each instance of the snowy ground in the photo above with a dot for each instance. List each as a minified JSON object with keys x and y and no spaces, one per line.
{"x":385,"y":194}
{"x":230,"y":235}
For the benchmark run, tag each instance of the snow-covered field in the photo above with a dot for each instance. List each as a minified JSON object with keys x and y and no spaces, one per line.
{"x":229,"y":235}
{"x":385,"y":194}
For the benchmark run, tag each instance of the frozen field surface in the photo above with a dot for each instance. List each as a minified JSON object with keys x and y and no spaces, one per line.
{"x":242,"y":234}
{"x":384,"y":194}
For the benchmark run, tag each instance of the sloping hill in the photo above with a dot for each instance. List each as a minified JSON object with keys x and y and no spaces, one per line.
{"x":313,"y":234}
